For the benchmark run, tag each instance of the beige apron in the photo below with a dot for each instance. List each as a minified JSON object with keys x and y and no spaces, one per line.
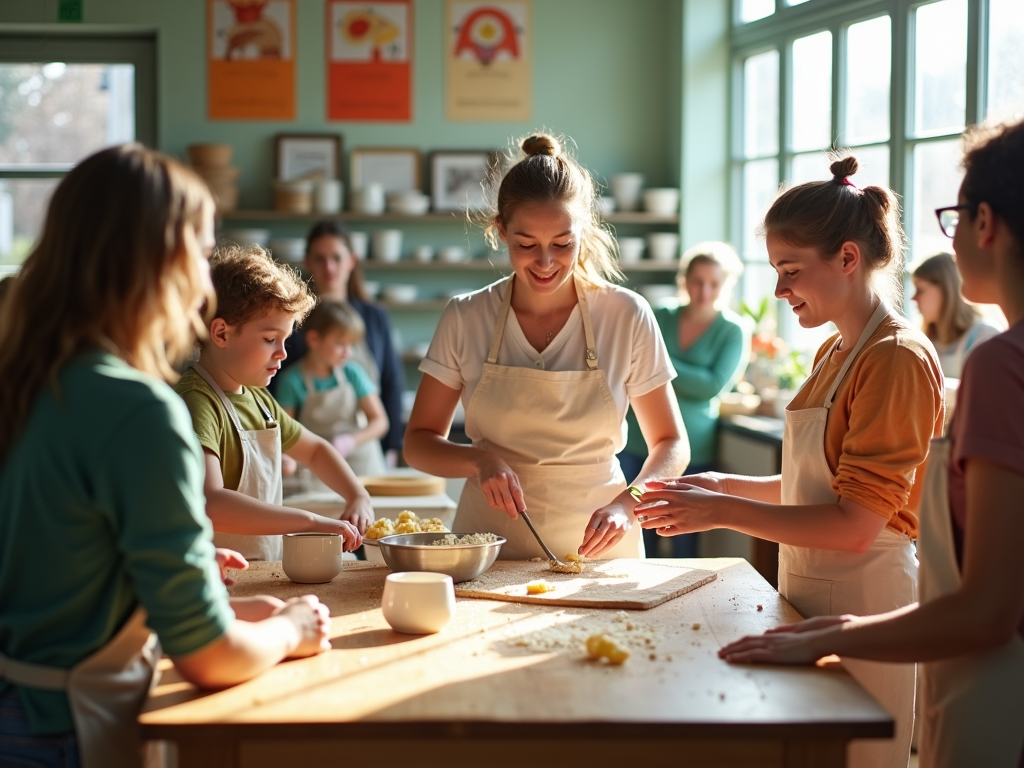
{"x":557,"y":431}
{"x":972,"y":710}
{"x":105,"y":692}
{"x":823,"y":582}
{"x":261,"y":476}
{"x":334,"y":412}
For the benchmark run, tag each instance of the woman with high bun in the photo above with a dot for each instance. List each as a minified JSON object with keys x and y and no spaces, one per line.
{"x":845,"y":507}
{"x":546,"y":362}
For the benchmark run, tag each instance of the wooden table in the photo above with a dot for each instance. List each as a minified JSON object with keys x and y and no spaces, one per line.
{"x":485,"y":691}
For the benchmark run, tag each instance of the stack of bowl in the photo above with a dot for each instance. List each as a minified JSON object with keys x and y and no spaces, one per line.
{"x":213,"y":163}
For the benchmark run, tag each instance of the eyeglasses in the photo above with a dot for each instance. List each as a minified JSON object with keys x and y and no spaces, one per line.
{"x":949,"y":217}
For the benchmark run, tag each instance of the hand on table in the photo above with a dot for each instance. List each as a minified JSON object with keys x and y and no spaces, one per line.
{"x":604,"y":530}
{"x":343,"y":444}
{"x":500,"y":486}
{"x":779,"y":646}
{"x":312,"y":620}
{"x":359,"y":512}
{"x":228,"y":558}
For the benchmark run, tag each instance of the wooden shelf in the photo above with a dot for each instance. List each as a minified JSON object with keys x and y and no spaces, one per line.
{"x":451,"y":217}
{"x":497,"y":266}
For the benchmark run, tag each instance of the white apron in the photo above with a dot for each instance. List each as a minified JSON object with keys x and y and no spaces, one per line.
{"x":972,"y":710}
{"x":563,"y":426}
{"x":336,"y":412}
{"x":824,"y":582}
{"x":261,"y":476}
{"x":105,"y":692}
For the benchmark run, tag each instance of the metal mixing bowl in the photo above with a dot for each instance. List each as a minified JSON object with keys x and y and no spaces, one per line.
{"x":413,"y":552}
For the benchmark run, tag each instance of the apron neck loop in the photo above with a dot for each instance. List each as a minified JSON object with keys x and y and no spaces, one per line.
{"x":267,"y":415}
{"x":588,"y":329}
{"x":880,"y":313}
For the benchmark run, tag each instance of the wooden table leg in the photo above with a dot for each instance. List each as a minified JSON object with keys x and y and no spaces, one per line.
{"x":815,"y":754}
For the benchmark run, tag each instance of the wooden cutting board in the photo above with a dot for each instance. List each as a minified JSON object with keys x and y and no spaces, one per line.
{"x":403,"y":485}
{"x":624,"y":584}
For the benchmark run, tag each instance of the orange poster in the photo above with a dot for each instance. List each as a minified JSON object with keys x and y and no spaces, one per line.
{"x":488,"y":60}
{"x":251,"y":59}
{"x":369,"y":49}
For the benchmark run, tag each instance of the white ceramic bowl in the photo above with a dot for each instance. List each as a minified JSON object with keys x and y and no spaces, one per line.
{"x":661,"y":201}
{"x":290,"y":249}
{"x":451,"y":254}
{"x":606,"y":205}
{"x":663,"y":246}
{"x":423,"y":253}
{"x":399,"y":294}
{"x":312,"y":558}
{"x":631,"y":249}
{"x":658,"y":295}
{"x":248,"y":236}
{"x":626,"y":188}
{"x":408,"y":203}
{"x":418,"y":603}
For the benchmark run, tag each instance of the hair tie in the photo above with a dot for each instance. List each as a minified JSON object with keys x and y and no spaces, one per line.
{"x":848,"y":183}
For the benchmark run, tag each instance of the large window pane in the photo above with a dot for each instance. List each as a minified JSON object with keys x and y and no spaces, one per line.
{"x":868,"y":75}
{"x":56,"y":114}
{"x":873,"y":167}
{"x":761,"y":104}
{"x":940,"y":67}
{"x":937,"y":178}
{"x":812,"y":92}
{"x":760,"y":185}
{"x":752,"y":10}
{"x":810,"y":166}
{"x":23,"y":204}
{"x":1006,"y":59}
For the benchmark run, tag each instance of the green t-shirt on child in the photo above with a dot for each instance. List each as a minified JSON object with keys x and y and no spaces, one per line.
{"x":291,"y":389}
{"x":212,"y":423}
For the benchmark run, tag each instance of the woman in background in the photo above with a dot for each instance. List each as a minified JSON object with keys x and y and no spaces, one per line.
{"x":709,"y":347}
{"x":954,"y":326}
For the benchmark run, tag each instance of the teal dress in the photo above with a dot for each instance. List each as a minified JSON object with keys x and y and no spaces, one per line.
{"x":709,"y":367}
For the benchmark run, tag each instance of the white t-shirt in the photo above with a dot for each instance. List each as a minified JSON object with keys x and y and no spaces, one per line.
{"x":630,"y":349}
{"x":952,"y":356}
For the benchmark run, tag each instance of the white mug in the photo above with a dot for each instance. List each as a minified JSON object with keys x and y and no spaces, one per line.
{"x":626,"y":189}
{"x":359,"y":243}
{"x":631,"y":249}
{"x":387,"y":245}
{"x":327,"y":196}
{"x":418,"y":603}
{"x":369,"y":199}
{"x":312,"y":558}
{"x":663,"y":246}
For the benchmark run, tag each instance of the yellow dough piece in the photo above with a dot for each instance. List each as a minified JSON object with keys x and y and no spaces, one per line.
{"x":380,"y":528}
{"x":604,"y":647}
{"x":539,"y":587}
{"x":408,"y":522}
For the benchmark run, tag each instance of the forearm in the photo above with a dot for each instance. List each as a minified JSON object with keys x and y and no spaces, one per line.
{"x":328,"y":465}
{"x":246,"y":650}
{"x":766,"y":489}
{"x":234,"y":512}
{"x":374,"y":430}
{"x":666,"y":458}
{"x":429,"y":452}
{"x":819,"y":526}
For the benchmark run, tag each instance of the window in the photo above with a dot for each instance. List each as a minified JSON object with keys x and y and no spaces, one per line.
{"x":894,"y":81}
{"x":62,"y":99}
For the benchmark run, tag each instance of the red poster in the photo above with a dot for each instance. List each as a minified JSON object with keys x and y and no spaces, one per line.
{"x":369,"y":50}
{"x":251,"y":59}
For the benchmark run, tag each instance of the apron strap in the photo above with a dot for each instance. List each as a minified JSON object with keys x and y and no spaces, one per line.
{"x":588,"y":329}
{"x":880,"y":313}
{"x":31,"y":675}
{"x":232,"y":413}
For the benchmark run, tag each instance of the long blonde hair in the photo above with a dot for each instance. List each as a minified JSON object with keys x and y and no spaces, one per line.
{"x":111,"y":269}
{"x":539,"y":170}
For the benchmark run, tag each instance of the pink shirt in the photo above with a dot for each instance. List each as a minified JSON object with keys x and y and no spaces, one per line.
{"x":989,"y":419}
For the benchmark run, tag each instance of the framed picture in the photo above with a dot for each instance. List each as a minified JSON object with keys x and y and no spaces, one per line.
{"x":397,"y":170}
{"x":308,"y":156}
{"x":456,"y":179}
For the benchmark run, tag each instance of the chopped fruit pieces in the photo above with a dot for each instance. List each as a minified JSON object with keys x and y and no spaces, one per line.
{"x":539,"y":587}
{"x":604,"y":647}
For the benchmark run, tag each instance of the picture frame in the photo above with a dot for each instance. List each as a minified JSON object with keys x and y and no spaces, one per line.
{"x":310,"y":155}
{"x":397,"y":169}
{"x":456,"y":178}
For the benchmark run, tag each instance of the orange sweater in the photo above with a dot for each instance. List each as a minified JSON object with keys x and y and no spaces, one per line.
{"x":887,"y":408}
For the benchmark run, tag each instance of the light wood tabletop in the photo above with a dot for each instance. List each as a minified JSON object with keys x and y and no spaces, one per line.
{"x":506,"y":684}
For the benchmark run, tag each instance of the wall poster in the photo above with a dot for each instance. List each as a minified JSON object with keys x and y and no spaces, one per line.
{"x":251,"y":59}
{"x":488,"y":60}
{"x":369,"y":53}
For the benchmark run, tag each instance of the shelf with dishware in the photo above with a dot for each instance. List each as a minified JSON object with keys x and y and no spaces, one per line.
{"x":450,"y":217}
{"x":488,"y":265}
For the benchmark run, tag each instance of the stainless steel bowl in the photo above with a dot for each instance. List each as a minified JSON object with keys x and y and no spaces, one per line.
{"x":414,"y":552}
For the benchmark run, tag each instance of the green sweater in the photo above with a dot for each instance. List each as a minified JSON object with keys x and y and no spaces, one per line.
{"x":101,"y":509}
{"x":707,"y":369}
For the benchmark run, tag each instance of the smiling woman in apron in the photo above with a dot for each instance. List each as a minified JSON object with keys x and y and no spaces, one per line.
{"x":104,"y":542}
{"x":969,"y":627}
{"x":546,"y":363}
{"x":331,"y":394}
{"x":856,"y":435}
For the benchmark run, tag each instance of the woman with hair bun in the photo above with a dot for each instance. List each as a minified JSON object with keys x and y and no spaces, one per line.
{"x":954,"y":326}
{"x":845,"y":507}
{"x":546,"y":362}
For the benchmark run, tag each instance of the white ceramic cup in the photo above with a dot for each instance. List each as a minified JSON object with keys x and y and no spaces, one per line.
{"x":661,"y":201}
{"x":626,"y":190}
{"x":418,"y":603}
{"x":452,"y":254}
{"x":359,"y":242}
{"x":606,"y":205}
{"x":327,"y":196}
{"x":631,"y":249}
{"x":663,"y":246}
{"x":369,"y":199}
{"x":386,"y":245}
{"x":423,"y":253}
{"x":312,"y":558}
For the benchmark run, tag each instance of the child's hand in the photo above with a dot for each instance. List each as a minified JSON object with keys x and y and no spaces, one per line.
{"x":343,"y":444}
{"x":312,"y":619}
{"x":359,"y":512}
{"x":353,"y":538}
{"x":228,"y":558}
